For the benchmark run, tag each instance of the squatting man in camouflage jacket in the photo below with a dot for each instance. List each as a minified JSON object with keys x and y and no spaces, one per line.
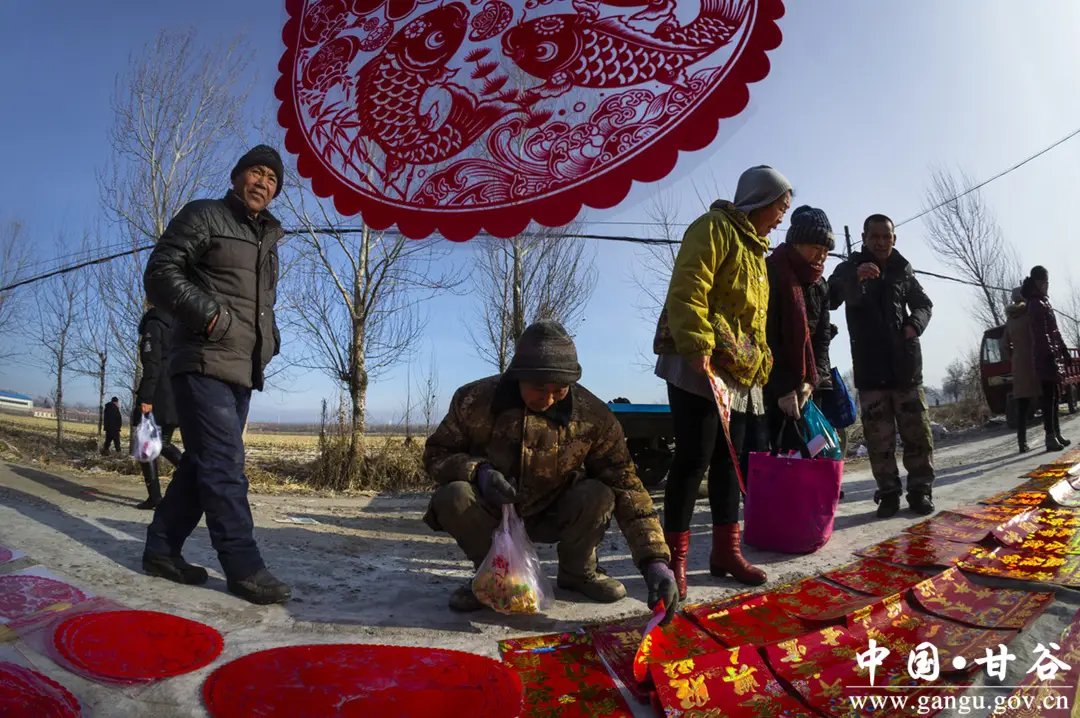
{"x":534,"y":438}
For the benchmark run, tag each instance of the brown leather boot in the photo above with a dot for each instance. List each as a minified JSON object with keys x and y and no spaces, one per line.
{"x":679,"y":543}
{"x":727,"y":558}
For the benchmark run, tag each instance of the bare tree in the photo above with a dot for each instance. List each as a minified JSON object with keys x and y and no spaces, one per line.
{"x":94,"y":337}
{"x":53,"y":331}
{"x":964,"y":234}
{"x":428,"y":389}
{"x":15,"y":255}
{"x":354,"y":298}
{"x":542,"y":274}
{"x":178,"y":109}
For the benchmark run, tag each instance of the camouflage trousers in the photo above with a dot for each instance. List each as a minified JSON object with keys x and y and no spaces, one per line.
{"x":884,"y":414}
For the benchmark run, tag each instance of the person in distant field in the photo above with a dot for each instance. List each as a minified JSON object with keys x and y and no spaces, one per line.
{"x":797,"y":326}
{"x":1051,"y":355}
{"x":215,"y":271}
{"x":714,"y":322}
{"x":534,"y":438}
{"x":155,"y":395}
{"x":112,"y":421}
{"x":887,"y":312}
{"x":1018,"y":348}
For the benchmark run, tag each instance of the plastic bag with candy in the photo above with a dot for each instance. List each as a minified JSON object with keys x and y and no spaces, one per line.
{"x":147,"y":443}
{"x":510,"y":579}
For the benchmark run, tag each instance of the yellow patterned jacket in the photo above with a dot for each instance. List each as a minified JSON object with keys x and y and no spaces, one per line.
{"x":578,"y":438}
{"x":719,"y":295}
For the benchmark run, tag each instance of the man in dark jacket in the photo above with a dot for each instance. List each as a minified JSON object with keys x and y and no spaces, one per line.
{"x":215,"y":271}
{"x":887,"y":312}
{"x":112,"y":421}
{"x":155,"y":395}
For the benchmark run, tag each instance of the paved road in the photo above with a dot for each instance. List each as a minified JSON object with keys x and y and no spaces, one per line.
{"x":371,"y":572}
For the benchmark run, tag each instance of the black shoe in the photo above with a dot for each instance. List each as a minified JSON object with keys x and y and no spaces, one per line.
{"x":463,"y":600}
{"x":920,"y":503}
{"x":1062,"y":440}
{"x":1052,"y":444}
{"x":1024,"y":448}
{"x":261,"y":588}
{"x":147,"y":505}
{"x":173,"y":568}
{"x":888,"y":505}
{"x":841,"y":494}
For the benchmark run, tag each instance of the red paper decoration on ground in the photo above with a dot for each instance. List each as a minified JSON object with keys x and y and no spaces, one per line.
{"x":954,"y":527}
{"x":25,"y":693}
{"x":912,"y":550}
{"x":1054,"y":696}
{"x":24,"y":595}
{"x":732,"y":683}
{"x":951,"y":595}
{"x":756,"y":621}
{"x":566,"y":680}
{"x":136,"y":646}
{"x":998,"y":512}
{"x":1042,"y":531}
{"x":875,"y":577}
{"x":1012,"y":497}
{"x":541,"y":108}
{"x":1062,"y":570}
{"x":383,"y":681}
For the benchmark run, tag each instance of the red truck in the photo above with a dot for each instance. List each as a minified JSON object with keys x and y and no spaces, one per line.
{"x":997,"y":378}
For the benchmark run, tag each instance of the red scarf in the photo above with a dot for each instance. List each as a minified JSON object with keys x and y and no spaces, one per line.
{"x":793,"y":272}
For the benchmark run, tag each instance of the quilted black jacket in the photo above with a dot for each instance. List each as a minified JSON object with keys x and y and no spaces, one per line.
{"x":155,"y":341}
{"x":877,"y":312}
{"x":216,"y":260}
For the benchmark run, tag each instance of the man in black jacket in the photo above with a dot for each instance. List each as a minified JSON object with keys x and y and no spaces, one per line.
{"x":887,"y":312}
{"x":215,"y":271}
{"x":112,"y":421}
{"x":154,"y":395}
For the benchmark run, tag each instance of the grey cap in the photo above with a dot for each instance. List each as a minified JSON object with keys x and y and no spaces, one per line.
{"x":759,"y":187}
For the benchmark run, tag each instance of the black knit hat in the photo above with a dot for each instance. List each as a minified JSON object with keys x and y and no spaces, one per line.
{"x":810,"y":225}
{"x":545,"y":354}
{"x":1039,"y":274}
{"x":262,"y":155}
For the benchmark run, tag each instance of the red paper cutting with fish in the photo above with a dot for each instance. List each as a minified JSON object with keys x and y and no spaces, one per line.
{"x":462,"y":117}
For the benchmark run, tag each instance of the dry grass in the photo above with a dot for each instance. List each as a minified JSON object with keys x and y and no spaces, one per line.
{"x":275,"y":464}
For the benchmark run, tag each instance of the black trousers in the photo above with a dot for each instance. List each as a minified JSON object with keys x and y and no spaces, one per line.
{"x":210,"y":477}
{"x":111,"y":437}
{"x":1051,"y":398}
{"x":699,"y":446}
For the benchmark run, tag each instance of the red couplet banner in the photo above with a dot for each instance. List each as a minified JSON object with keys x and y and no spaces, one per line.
{"x":465,"y":116}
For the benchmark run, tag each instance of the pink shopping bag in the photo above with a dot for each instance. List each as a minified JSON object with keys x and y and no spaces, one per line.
{"x":791,"y":502}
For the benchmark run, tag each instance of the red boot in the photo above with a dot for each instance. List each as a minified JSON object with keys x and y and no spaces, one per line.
{"x":727,"y":557}
{"x":679,"y":543}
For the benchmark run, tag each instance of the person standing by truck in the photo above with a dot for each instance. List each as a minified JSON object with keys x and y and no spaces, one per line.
{"x":714,"y":321}
{"x":1051,"y":355}
{"x":1018,"y":347}
{"x":797,"y":326}
{"x":887,"y":312}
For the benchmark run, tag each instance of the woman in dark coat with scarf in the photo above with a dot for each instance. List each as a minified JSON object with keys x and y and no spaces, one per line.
{"x":1051,"y":355}
{"x":798,"y":328}
{"x":155,"y":395}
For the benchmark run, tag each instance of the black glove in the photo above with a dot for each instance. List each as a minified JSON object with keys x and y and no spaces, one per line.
{"x":494,"y":488}
{"x":661,"y":582}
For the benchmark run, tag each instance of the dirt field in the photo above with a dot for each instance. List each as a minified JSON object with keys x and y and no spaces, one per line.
{"x":371,"y":572}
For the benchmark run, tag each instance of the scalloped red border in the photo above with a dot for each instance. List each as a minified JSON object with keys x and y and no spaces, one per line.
{"x":603,"y":191}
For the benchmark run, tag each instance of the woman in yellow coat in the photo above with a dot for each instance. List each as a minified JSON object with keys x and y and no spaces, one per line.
{"x":714,"y":318}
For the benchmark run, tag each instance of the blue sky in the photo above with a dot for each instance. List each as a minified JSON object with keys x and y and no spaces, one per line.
{"x":863,"y":99}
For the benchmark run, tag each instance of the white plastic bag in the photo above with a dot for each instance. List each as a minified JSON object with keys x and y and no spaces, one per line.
{"x":147,"y":440}
{"x":510,"y":579}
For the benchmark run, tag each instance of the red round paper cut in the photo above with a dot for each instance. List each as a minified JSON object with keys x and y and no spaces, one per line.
{"x":458,"y":118}
{"x":22,"y":596}
{"x":25,"y":693}
{"x":136,"y":645}
{"x":362,"y":681}
{"x":5,"y":554}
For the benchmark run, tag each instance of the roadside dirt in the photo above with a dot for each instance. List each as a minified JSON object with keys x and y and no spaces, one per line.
{"x":371,"y":572}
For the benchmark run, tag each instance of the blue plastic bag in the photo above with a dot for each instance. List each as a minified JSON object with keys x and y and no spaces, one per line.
{"x":814,"y":423}
{"x":838,"y":405}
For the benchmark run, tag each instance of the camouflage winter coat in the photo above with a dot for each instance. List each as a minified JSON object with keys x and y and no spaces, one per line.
{"x":577,"y":438}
